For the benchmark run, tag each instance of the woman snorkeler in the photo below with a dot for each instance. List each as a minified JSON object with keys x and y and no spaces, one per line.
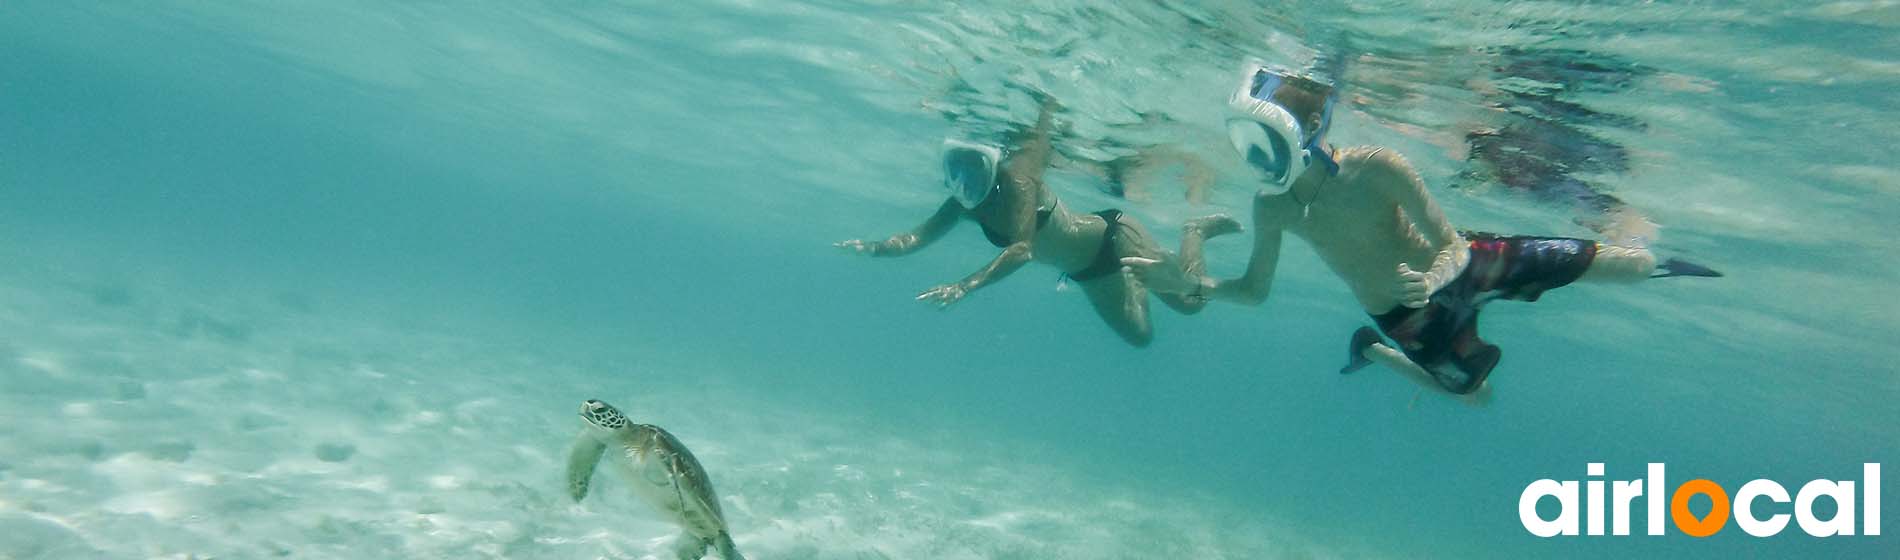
{"x":1005,"y":195}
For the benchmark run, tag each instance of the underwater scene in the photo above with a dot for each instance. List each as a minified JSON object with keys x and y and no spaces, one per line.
{"x":619,"y":279}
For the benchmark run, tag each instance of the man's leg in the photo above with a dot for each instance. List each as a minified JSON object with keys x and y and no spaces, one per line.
{"x":1623,"y":265}
{"x":1620,"y":265}
{"x":1368,"y":347}
{"x":1474,"y":357}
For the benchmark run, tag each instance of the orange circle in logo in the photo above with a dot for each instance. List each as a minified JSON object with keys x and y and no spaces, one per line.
{"x":1679,"y":508}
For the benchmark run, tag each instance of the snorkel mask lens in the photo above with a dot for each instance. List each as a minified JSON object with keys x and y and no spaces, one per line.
{"x":969,"y":171}
{"x":1265,"y":151}
{"x":1268,"y":138}
{"x":1263,"y":84}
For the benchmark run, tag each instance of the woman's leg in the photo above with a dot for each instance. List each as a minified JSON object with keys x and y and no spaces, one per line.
{"x":1197,"y":231}
{"x":1133,"y":240}
{"x":1193,"y":261}
{"x":1123,"y":304}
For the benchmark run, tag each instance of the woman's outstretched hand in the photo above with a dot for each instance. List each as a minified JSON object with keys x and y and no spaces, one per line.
{"x":946,"y":295}
{"x":858,"y":246}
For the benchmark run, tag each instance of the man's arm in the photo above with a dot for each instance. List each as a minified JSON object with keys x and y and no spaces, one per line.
{"x":1012,"y":258}
{"x":1253,"y":286}
{"x":1400,"y":182}
{"x":905,"y":243}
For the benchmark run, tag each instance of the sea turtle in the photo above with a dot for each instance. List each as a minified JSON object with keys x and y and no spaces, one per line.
{"x":660,"y":470}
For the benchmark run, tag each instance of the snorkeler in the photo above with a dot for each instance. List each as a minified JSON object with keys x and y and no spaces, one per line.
{"x":1370,"y":218}
{"x":1005,"y":195}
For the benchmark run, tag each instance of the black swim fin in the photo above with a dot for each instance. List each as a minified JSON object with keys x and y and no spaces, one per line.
{"x":1363,"y":338}
{"x":1679,"y":267}
{"x":1478,"y":366}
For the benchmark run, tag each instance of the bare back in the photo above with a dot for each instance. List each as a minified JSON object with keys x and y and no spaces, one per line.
{"x":1064,"y":239}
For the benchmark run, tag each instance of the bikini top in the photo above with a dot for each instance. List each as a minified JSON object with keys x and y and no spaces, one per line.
{"x":1045,"y":207}
{"x":1000,"y":240}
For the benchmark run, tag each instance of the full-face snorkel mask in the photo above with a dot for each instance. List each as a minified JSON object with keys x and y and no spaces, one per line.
{"x":1268,"y":137}
{"x":969,"y":171}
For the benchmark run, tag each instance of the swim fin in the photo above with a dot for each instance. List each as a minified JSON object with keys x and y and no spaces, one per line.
{"x":1679,"y":267}
{"x":1478,"y":366}
{"x":1362,"y":339}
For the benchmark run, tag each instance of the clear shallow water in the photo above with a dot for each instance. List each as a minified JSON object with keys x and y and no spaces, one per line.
{"x":328,"y":281}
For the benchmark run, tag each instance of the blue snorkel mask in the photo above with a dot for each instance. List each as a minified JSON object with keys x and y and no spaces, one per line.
{"x":969,"y":171}
{"x":1269,"y":138}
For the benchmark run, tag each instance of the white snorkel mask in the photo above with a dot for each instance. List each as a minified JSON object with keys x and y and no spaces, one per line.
{"x":1269,"y":138}
{"x":969,"y":171}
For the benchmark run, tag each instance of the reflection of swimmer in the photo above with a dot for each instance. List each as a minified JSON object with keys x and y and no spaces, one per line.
{"x":1005,"y":195}
{"x":1370,"y":218}
{"x":1543,"y":159}
{"x":1131,"y":167}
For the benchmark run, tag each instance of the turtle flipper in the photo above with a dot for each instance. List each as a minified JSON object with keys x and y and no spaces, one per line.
{"x":581,"y":460}
{"x":723,"y":545}
{"x":689,"y":546}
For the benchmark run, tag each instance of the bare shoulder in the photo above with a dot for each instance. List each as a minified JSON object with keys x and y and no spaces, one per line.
{"x":1274,"y":211}
{"x":1377,"y":160}
{"x":1380,"y":169}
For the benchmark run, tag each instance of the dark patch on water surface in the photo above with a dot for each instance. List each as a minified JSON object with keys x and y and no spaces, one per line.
{"x":1542,"y":148}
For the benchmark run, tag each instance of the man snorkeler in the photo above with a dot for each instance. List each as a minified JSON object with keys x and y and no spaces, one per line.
{"x":1005,"y":195}
{"x":1370,"y":218}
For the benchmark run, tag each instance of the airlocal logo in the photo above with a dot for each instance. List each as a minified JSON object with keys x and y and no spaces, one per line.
{"x":1622,"y":492}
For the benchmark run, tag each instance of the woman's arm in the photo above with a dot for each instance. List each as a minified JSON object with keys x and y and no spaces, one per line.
{"x":1023,"y":195}
{"x":1012,"y":258}
{"x":905,"y":243}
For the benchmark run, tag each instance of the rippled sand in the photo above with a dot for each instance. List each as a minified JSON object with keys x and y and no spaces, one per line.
{"x":143,"y":427}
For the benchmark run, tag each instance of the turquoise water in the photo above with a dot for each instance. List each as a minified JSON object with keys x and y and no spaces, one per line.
{"x":329,"y":280}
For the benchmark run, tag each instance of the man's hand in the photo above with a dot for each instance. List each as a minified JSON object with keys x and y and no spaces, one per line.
{"x":945,"y":295}
{"x":1411,"y":289}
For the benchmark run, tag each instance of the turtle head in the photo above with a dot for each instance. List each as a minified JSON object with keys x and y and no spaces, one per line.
{"x":602,"y":416}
